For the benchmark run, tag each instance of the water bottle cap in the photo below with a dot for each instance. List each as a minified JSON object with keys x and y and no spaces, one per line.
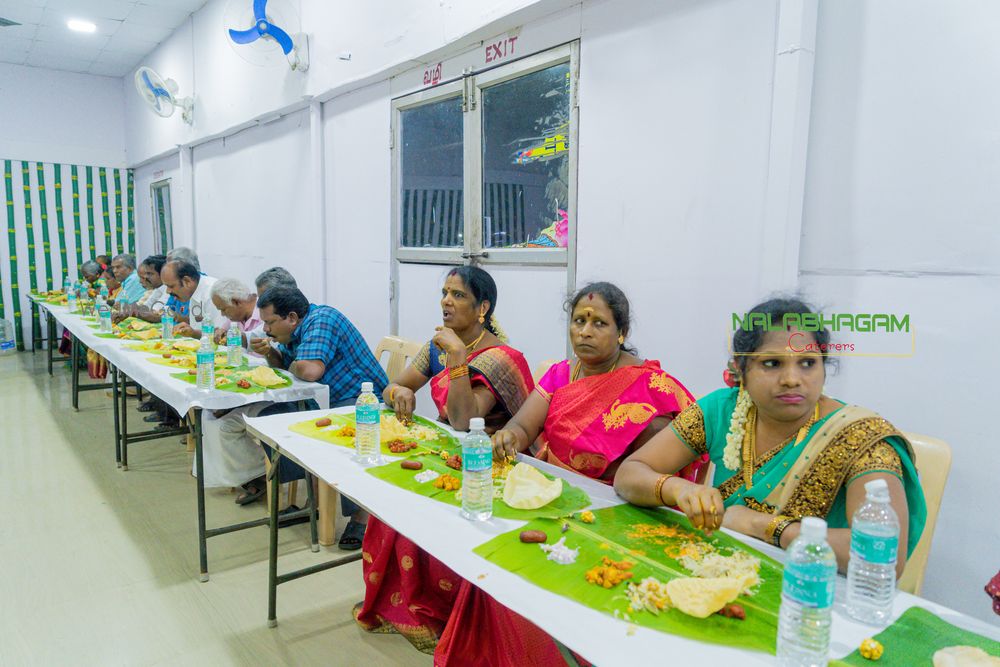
{"x":813,"y":528}
{"x":477,"y":423}
{"x":876,"y":487}
{"x":367,"y":386}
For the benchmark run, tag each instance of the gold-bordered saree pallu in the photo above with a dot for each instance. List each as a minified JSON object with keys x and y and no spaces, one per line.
{"x":810,"y":478}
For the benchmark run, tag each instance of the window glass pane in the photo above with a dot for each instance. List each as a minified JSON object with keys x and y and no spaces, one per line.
{"x":162,"y":221}
{"x":526,"y":160}
{"x":431,"y":175}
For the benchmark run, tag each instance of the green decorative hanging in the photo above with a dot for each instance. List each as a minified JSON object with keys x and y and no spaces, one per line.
{"x":15,"y":292}
{"x":60,"y":223}
{"x":118,"y":211}
{"x":90,"y":212}
{"x":43,"y":209}
{"x":29,"y":226}
{"x":131,"y":211}
{"x":77,"y":235}
{"x":102,"y":174}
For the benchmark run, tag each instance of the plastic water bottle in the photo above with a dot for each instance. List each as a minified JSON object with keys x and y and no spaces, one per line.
{"x":205,"y":360}
{"x":166,"y":324}
{"x":7,"y":343}
{"x":71,"y":300}
{"x":67,"y":285}
{"x":104,"y":292}
{"x":366,"y":418}
{"x":807,"y":598}
{"x":104,"y":313}
{"x":477,"y":473}
{"x":234,"y":345}
{"x":871,"y":572}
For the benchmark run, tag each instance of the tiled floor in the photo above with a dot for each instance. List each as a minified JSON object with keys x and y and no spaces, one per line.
{"x":100,"y":566}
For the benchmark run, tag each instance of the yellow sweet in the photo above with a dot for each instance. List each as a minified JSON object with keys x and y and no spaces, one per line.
{"x":870,"y":649}
{"x":703,"y":597}
{"x":266,"y":377}
{"x":529,"y":489}
{"x":587,"y":516}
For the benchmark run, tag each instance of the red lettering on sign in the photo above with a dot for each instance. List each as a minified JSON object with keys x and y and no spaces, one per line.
{"x":432,"y":75}
{"x":500,"y":50}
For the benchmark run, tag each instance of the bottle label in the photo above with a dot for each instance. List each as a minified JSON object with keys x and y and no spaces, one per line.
{"x":205,"y":357}
{"x":875,"y":548}
{"x":366,"y":414}
{"x":810,"y":584}
{"x":477,"y":459}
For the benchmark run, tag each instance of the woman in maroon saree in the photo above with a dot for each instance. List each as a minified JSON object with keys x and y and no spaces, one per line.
{"x":472,"y":374}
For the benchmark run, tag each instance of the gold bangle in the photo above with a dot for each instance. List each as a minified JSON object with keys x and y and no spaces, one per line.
{"x":776,"y":541}
{"x":658,"y":487}
{"x":392,"y":392}
{"x":458,"y":371}
{"x":774,"y":528}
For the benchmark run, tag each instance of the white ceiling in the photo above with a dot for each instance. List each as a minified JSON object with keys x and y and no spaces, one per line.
{"x":127,"y":30}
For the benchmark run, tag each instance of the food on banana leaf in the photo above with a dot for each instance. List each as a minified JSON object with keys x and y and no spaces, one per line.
{"x":609,"y":573}
{"x":528,"y":489}
{"x":703,"y":597}
{"x":964,"y":656}
{"x":266,"y":377}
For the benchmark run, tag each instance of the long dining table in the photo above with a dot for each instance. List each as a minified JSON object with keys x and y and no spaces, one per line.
{"x":439,"y":529}
{"x":129,"y":367}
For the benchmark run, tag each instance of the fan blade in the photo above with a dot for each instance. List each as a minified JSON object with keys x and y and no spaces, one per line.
{"x":157,"y":91}
{"x":259,"y":10}
{"x":244,"y":36}
{"x":281,"y":37}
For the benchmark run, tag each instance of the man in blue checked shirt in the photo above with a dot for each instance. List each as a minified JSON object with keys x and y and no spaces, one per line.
{"x":318,"y":344}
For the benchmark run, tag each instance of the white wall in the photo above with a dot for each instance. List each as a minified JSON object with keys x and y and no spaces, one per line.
{"x":900,"y":216}
{"x":61,"y":117}
{"x":681,"y":108}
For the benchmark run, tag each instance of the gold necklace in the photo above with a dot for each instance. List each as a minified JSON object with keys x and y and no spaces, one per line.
{"x":750,"y":441}
{"x":473,"y":344}
{"x":577,"y":368}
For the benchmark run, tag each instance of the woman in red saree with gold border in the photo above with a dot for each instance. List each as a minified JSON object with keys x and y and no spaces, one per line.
{"x":586,"y":417}
{"x":472,"y":374}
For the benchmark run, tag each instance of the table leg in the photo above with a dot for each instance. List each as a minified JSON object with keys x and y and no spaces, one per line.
{"x":115,"y":389}
{"x":123,"y":434}
{"x":272,"y":564}
{"x":311,"y":499}
{"x":199,"y":463}
{"x":51,"y":321}
{"x":75,"y":361}
{"x":34,"y":325}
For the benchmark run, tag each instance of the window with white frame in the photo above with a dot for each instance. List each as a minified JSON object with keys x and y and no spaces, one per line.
{"x":484,"y":167}
{"x":163,"y":228}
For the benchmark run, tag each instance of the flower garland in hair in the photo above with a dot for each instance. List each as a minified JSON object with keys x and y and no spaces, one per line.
{"x":497,"y":330}
{"x":732,"y":455}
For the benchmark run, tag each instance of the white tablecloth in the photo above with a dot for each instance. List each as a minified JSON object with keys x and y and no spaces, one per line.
{"x":602,"y":639}
{"x":180,"y":395}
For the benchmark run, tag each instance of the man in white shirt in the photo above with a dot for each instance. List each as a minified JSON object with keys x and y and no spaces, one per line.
{"x":185,"y":283}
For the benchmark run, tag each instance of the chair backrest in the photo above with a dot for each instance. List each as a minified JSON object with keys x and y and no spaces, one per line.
{"x":543,"y":368}
{"x":933,"y":464}
{"x":400,"y":351}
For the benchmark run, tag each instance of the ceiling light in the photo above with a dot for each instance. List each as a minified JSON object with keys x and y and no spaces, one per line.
{"x":81,"y":26}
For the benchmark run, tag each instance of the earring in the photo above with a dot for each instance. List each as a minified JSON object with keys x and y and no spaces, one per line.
{"x":621,"y":339}
{"x":482,"y":318}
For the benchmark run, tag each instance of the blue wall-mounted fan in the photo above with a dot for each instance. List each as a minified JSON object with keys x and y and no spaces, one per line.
{"x":269,"y":31}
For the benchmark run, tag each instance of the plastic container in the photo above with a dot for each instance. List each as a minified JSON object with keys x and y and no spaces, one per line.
{"x":205,"y":361}
{"x":871,"y":572}
{"x":234,"y":346}
{"x":807,"y":598}
{"x":8,"y":344}
{"x":366,"y":415}
{"x":477,"y":473}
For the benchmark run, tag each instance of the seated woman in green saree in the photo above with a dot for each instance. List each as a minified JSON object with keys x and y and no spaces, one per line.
{"x":782,"y":450}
